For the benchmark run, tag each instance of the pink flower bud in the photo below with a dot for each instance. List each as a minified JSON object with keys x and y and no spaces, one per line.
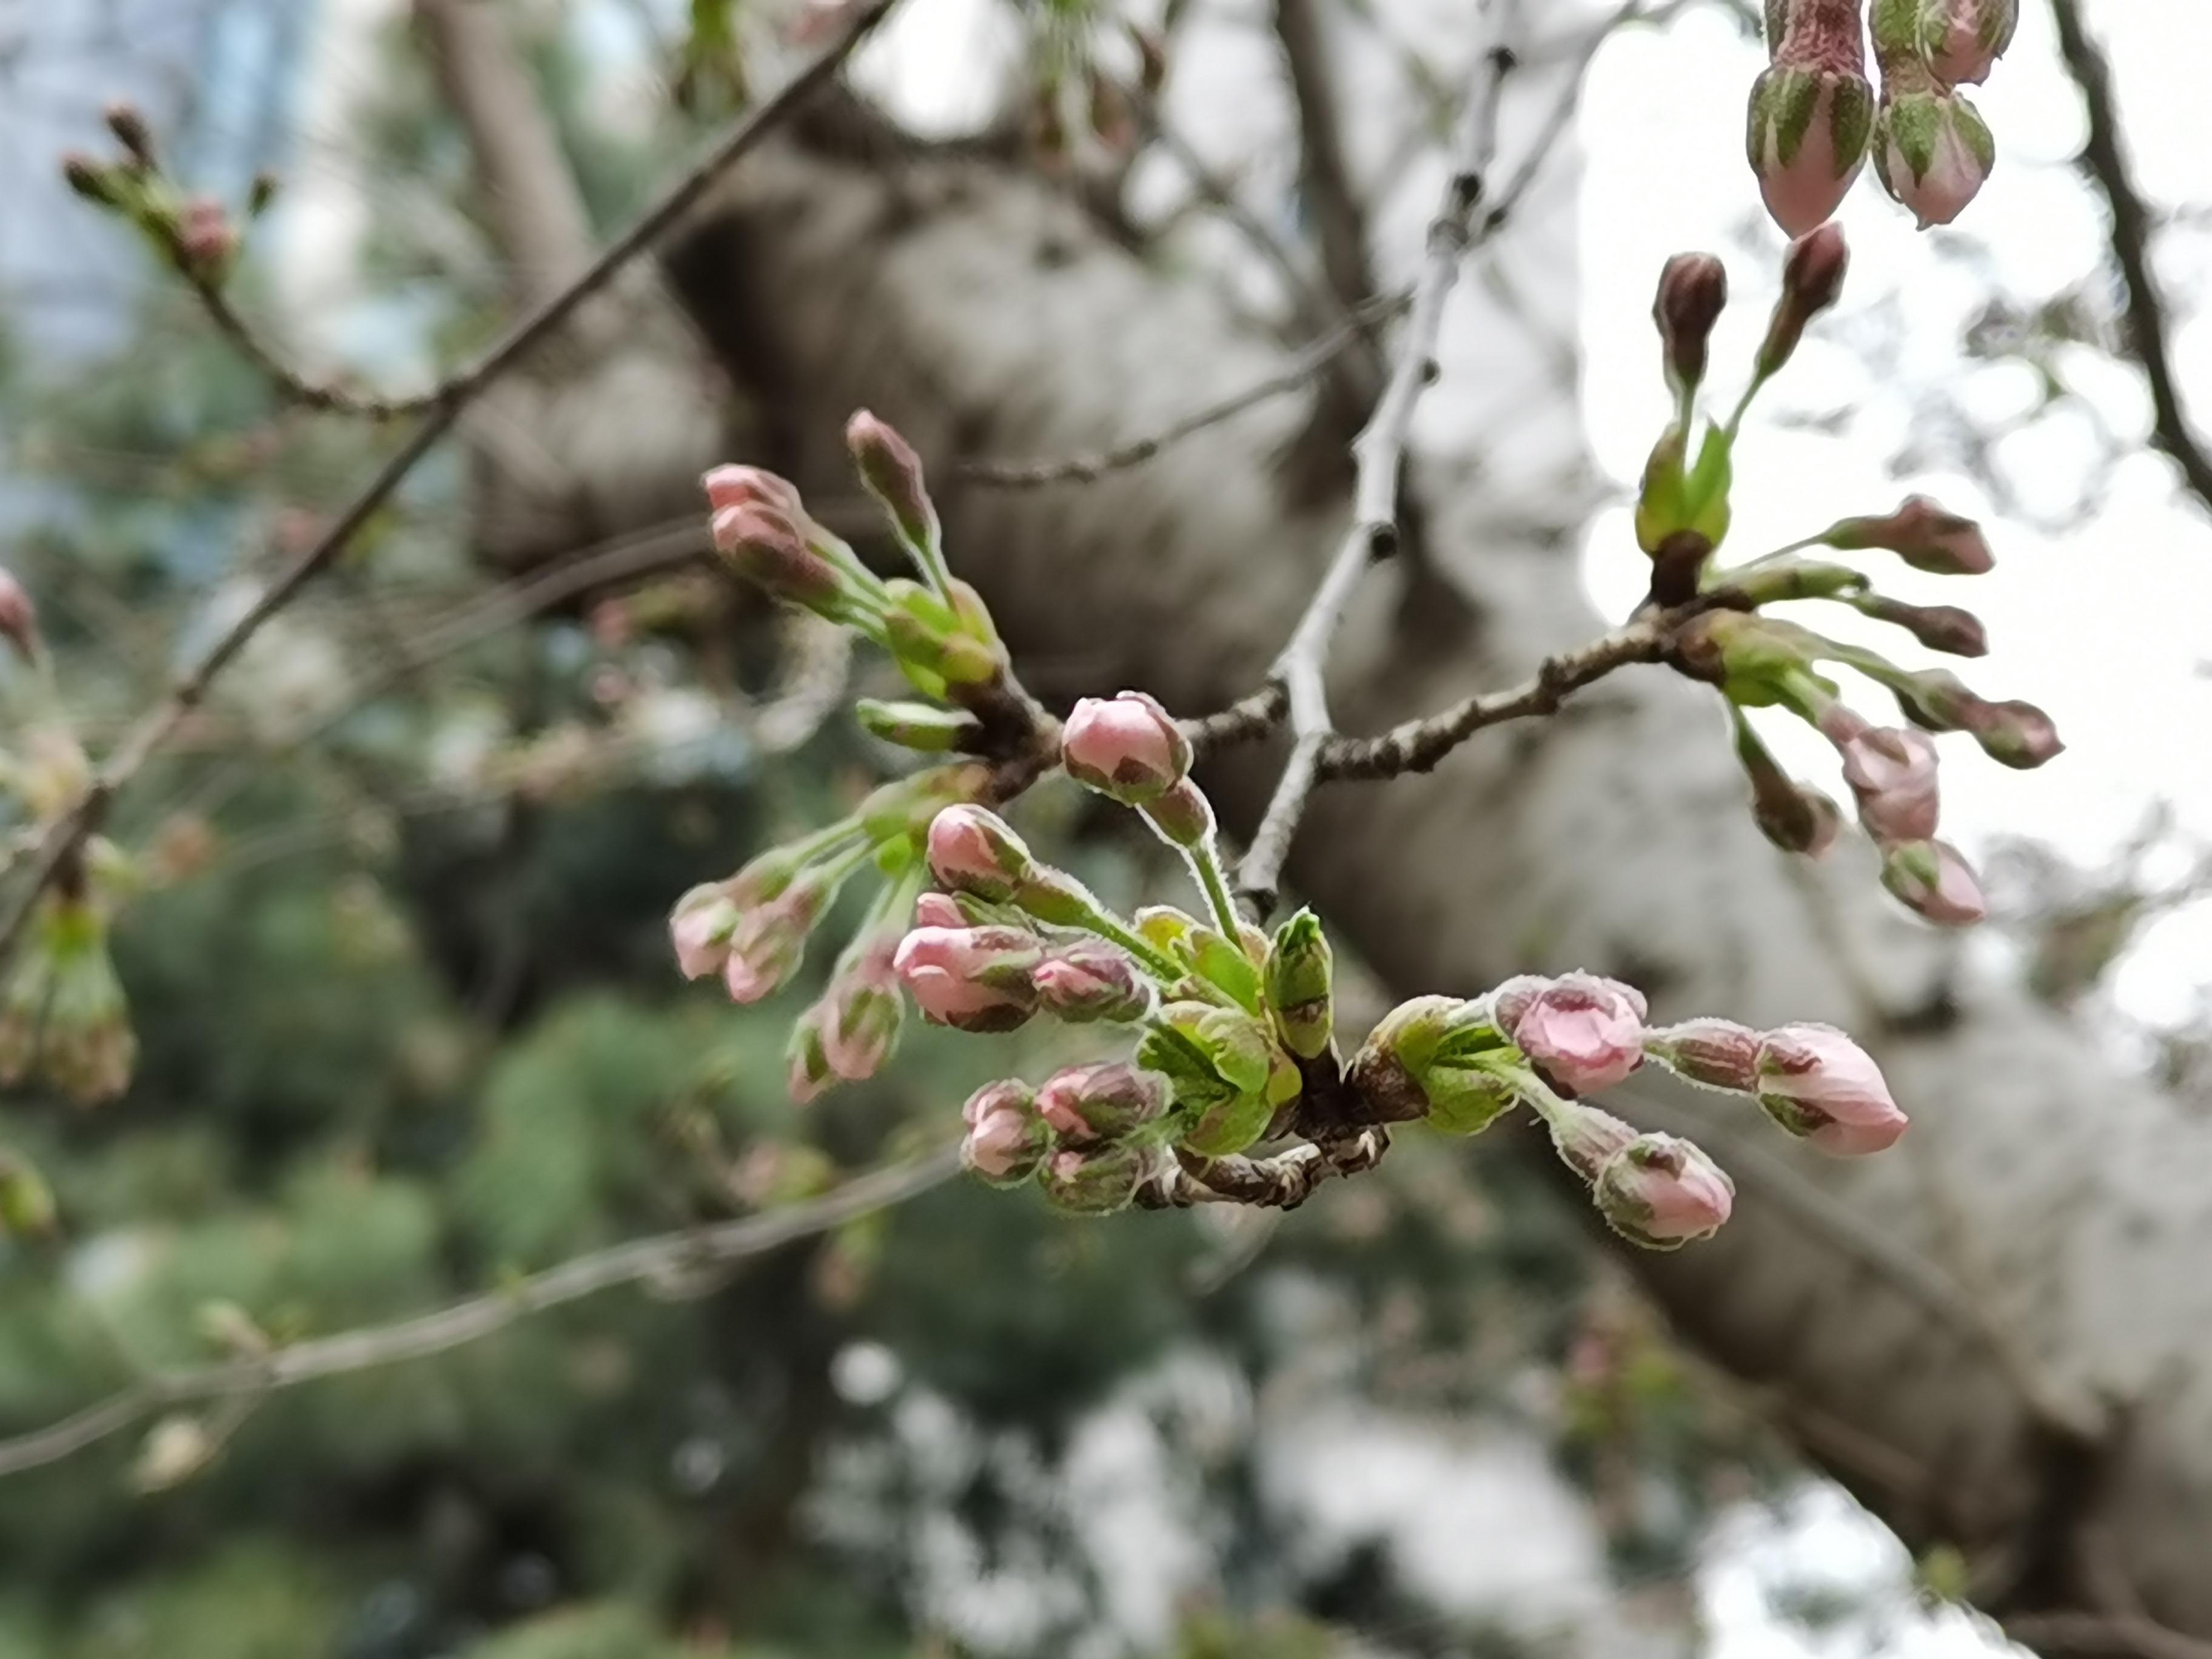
{"x":939,"y":910}
{"x":1096,"y":1181}
{"x":1969,"y":36}
{"x":1182,"y":816}
{"x":1943,"y":628}
{"x":1101,"y":1102}
{"x":2015,"y":734}
{"x":19,"y":618}
{"x":892,"y":472}
{"x":766,"y":945}
{"x":1128,"y":747}
{"x":1006,"y":1139}
{"x":1931,"y":877}
{"x":1714,"y":1053}
{"x":733,"y":485}
{"x":973,"y":979}
{"x":88,"y":179}
{"x":206,"y":242}
{"x":1811,"y":112}
{"x":1583,"y":1032}
{"x":1812,"y":274}
{"x":807,"y":1069}
{"x":128,"y":123}
{"x":1923,"y":535}
{"x":1662,"y":1192}
{"x":1693,"y":291}
{"x":765,"y":545}
{"x":860,"y":1023}
{"x":700,"y":928}
{"x":972,"y":850}
{"x":1932,"y":152}
{"x":1092,"y":980}
{"x":1821,"y":1086}
{"x":1892,"y":771}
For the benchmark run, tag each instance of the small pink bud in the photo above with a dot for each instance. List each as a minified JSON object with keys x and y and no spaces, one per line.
{"x":1968,"y":37}
{"x":1714,"y":1053}
{"x":860,"y":1023}
{"x":1943,"y":628}
{"x":128,"y":123}
{"x":19,"y":618}
{"x":1932,"y":152}
{"x":1096,"y":1181}
{"x":1662,"y":1192}
{"x":2015,"y":734}
{"x":1923,"y":535}
{"x":206,"y":240}
{"x":939,"y":910}
{"x":765,"y":545}
{"x":892,"y":472}
{"x":766,"y":945}
{"x":973,"y":979}
{"x":1006,"y":1139}
{"x":972,"y":850}
{"x":1931,"y":877}
{"x":1813,"y":273}
{"x":1892,"y":771}
{"x":733,"y":485}
{"x":1693,"y":292}
{"x":1128,"y":747}
{"x":1808,"y":139}
{"x":1101,"y":1102}
{"x":700,"y":928}
{"x":1092,"y":980}
{"x":1821,"y":1086}
{"x":1585,"y":1033}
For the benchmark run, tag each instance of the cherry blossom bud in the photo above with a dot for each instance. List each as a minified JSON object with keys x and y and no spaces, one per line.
{"x":1662,"y":1192}
{"x":2015,"y":734}
{"x":1092,"y":980}
{"x":862,"y":1011}
{"x":731,"y":485}
{"x":1585,"y":1137}
{"x":1812,"y":274}
{"x":1693,"y":291}
{"x":1006,"y":1139}
{"x":1427,"y":1058}
{"x":1128,"y":747}
{"x":1932,"y":151}
{"x":1098,"y":1181}
{"x":1822,"y":1087}
{"x":807,"y":1070}
{"x":1085,"y":1104}
{"x":700,"y":928}
{"x":932,"y":639}
{"x":765,"y":546}
{"x":1943,"y":628}
{"x":973,"y":850}
{"x":1794,"y":817}
{"x":207,"y":242}
{"x":1182,"y":816}
{"x":940,"y":910}
{"x":19,"y":618}
{"x":1923,"y":535}
{"x":973,"y":979}
{"x":88,"y":179}
{"x":765,"y":946}
{"x":128,"y":123}
{"x":892,"y":472}
{"x":261,"y":194}
{"x":1582,"y":1032}
{"x":1298,"y":977}
{"x":1931,"y":877}
{"x":1714,"y":1053}
{"x":919,"y":726}
{"x":1892,"y":771}
{"x":1974,"y":35}
{"x":1808,"y":137}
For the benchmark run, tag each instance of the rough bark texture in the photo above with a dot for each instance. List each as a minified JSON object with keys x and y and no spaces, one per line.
{"x":2033,"y":1251}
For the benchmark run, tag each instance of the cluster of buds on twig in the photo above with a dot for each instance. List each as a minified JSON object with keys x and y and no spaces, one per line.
{"x":1815,"y":116}
{"x":194,"y":231}
{"x":1759,"y":661}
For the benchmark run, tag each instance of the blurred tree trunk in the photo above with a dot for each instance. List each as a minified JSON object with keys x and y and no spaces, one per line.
{"x":1947,"y":1327}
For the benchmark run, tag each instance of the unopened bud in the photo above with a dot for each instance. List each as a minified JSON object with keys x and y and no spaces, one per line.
{"x":924,"y":633}
{"x":1091,"y":979}
{"x":973,"y":979}
{"x":1812,"y":274}
{"x":261,"y":194}
{"x":764,"y":545}
{"x":1714,"y":1053}
{"x":1922,"y":534}
{"x":973,"y":850}
{"x":1128,"y":747}
{"x":1957,"y":41}
{"x":1794,"y":817}
{"x":2015,"y":734}
{"x":1183,"y":816}
{"x":1006,"y":1139}
{"x":1821,"y":1086}
{"x":88,"y":179}
{"x":1693,"y":291}
{"x":1087,"y":1104}
{"x":207,"y":242}
{"x":1808,"y":138}
{"x":19,"y":618}
{"x":733,"y":485}
{"x":1420,"y":1061}
{"x":1583,"y":1031}
{"x":919,"y":726}
{"x":1585,"y":1137}
{"x":1892,"y":771}
{"x":892,"y":471}
{"x":1931,"y":877}
{"x":1098,"y":1181}
{"x":1932,"y":151}
{"x":1299,"y":983}
{"x":1943,"y":628}
{"x":1662,"y":1192}
{"x":128,"y":123}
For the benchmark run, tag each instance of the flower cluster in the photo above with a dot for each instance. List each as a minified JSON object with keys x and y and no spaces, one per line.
{"x":1815,"y":115}
{"x":195,"y":233}
{"x":1760,"y":661}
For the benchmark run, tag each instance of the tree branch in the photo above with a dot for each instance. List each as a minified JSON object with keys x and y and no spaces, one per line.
{"x":66,"y":836}
{"x":662,"y":1256}
{"x":2105,"y":158}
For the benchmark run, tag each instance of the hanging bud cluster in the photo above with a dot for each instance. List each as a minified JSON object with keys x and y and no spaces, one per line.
{"x":1815,"y":116}
{"x":1682,"y":514}
{"x":195,"y":233}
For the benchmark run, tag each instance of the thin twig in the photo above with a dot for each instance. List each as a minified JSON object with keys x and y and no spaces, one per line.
{"x":1378,"y":452}
{"x":67,"y":833}
{"x":1088,"y":469}
{"x":664,"y":1256}
{"x":2104,"y":157}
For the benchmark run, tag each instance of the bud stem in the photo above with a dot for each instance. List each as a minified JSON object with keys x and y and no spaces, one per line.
{"x":1206,"y":865}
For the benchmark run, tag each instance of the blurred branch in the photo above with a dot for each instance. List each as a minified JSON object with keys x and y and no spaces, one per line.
{"x":2104,"y":157}
{"x":66,"y":836}
{"x":667,"y":1256}
{"x":1324,"y":175}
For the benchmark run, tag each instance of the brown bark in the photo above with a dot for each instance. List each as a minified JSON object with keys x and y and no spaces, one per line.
{"x":1945,"y":1326}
